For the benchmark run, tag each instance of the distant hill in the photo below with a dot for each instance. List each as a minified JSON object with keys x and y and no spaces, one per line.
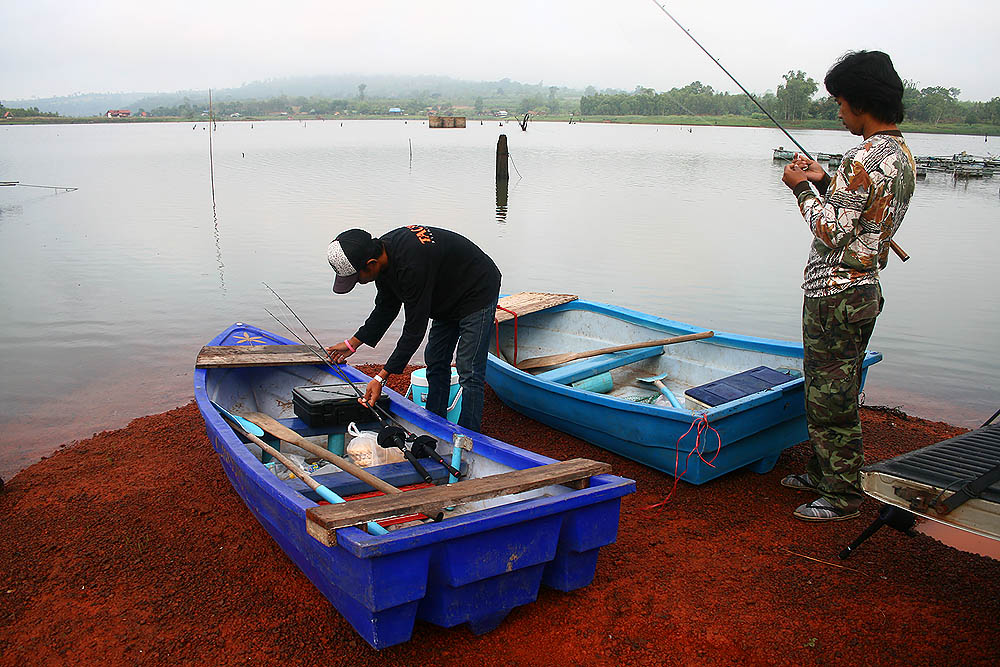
{"x":80,"y":104}
{"x":329,"y":86}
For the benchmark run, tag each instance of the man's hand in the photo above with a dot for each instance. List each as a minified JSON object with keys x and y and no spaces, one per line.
{"x":811,"y":168}
{"x":792,"y":176}
{"x":339,"y":352}
{"x":372,"y":393}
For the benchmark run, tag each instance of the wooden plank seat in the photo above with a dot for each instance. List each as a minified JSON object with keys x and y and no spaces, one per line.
{"x":240,"y":356}
{"x":322,"y":522}
{"x":585,"y":368}
{"x":525,"y":303}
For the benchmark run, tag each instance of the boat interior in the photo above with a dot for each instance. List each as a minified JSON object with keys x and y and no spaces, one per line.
{"x":626,"y":375}
{"x":268,"y":390}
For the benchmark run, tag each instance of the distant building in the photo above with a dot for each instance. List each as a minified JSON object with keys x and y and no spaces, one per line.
{"x":118,"y":113}
{"x":445,"y":121}
{"x":234,"y":115}
{"x":501,"y":113}
{"x":395,"y":110}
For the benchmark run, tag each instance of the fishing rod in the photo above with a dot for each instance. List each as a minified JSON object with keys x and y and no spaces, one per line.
{"x":393,"y":433}
{"x":47,"y":187}
{"x":892,"y":244}
{"x":326,"y":360}
{"x":747,"y":92}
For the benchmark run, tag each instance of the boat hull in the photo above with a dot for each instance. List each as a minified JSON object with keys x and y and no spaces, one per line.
{"x":748,"y":432}
{"x":472,"y":568}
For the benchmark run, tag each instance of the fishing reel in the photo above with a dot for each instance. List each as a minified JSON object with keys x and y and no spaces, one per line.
{"x":425,"y":447}
{"x":422,"y":447}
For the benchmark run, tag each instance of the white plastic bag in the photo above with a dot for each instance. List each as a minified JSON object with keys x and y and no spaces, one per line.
{"x":364,"y":449}
{"x":317,"y":468}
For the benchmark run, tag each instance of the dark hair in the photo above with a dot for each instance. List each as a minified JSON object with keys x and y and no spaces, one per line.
{"x":869,"y":83}
{"x":367,"y":251}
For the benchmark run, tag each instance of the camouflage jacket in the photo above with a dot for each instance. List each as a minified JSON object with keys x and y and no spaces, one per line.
{"x":856,"y":214}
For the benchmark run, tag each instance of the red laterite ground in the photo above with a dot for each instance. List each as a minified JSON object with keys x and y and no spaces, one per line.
{"x":132,"y":548}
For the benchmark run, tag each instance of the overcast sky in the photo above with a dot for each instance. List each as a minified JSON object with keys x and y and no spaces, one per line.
{"x":61,"y":47}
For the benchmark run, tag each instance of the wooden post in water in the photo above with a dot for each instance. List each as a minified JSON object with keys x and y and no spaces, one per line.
{"x":502,"y":158}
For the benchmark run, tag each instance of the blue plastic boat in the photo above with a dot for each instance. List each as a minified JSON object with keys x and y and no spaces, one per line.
{"x":753,"y":429}
{"x":482,"y":560}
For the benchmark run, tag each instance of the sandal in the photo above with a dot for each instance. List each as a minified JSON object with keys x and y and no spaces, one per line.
{"x":822,"y":509}
{"x":799,"y":482}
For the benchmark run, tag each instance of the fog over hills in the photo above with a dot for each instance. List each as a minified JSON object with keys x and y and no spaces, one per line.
{"x":341,"y":86}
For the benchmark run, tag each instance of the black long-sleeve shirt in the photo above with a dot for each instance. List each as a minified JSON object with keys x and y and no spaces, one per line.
{"x":434,"y":274}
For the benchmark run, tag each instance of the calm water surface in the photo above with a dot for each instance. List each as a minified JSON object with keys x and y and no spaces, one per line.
{"x":109,"y":292}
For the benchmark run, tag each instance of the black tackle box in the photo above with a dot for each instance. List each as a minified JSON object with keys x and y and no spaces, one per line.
{"x":334,"y":404}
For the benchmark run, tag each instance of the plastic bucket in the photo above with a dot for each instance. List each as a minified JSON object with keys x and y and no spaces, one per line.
{"x":418,"y":392}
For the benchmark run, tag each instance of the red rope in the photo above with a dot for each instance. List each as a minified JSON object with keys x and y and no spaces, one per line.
{"x":703,"y":427}
{"x":496,"y":322}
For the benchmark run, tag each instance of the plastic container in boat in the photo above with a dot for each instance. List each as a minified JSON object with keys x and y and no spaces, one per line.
{"x":418,"y":392}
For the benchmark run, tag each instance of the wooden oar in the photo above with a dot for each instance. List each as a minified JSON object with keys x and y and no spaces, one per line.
{"x":556,"y":359}
{"x":282,"y":432}
{"x":323,"y":492}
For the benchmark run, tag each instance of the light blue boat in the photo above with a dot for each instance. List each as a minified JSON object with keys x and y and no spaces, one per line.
{"x":753,"y":429}
{"x":482,"y":560}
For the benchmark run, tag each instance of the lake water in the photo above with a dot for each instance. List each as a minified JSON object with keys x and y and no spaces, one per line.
{"x":109,"y":292}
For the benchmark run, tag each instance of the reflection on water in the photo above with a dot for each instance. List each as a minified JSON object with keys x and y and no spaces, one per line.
{"x":108,"y":292}
{"x":502,"y":200}
{"x":218,"y":248}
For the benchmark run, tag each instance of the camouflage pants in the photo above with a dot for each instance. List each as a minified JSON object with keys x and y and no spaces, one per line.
{"x":835,"y":334}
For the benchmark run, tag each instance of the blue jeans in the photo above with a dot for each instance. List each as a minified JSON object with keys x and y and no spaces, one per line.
{"x":468,"y":340}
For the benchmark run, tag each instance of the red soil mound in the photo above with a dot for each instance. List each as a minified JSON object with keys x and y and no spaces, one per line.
{"x":131,"y":547}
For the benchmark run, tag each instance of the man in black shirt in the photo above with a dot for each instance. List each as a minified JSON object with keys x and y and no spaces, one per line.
{"x":434,"y":274}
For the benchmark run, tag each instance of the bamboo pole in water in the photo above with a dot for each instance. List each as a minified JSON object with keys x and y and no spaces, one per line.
{"x":211,"y":156}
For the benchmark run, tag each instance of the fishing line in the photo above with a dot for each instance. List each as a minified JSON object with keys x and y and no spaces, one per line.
{"x":511,"y":157}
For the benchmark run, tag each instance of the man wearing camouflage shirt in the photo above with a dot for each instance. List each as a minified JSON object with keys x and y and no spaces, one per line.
{"x":852,"y":219}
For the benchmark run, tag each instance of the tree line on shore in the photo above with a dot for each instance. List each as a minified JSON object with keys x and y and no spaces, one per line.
{"x":32,"y":112}
{"x":794,"y":99}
